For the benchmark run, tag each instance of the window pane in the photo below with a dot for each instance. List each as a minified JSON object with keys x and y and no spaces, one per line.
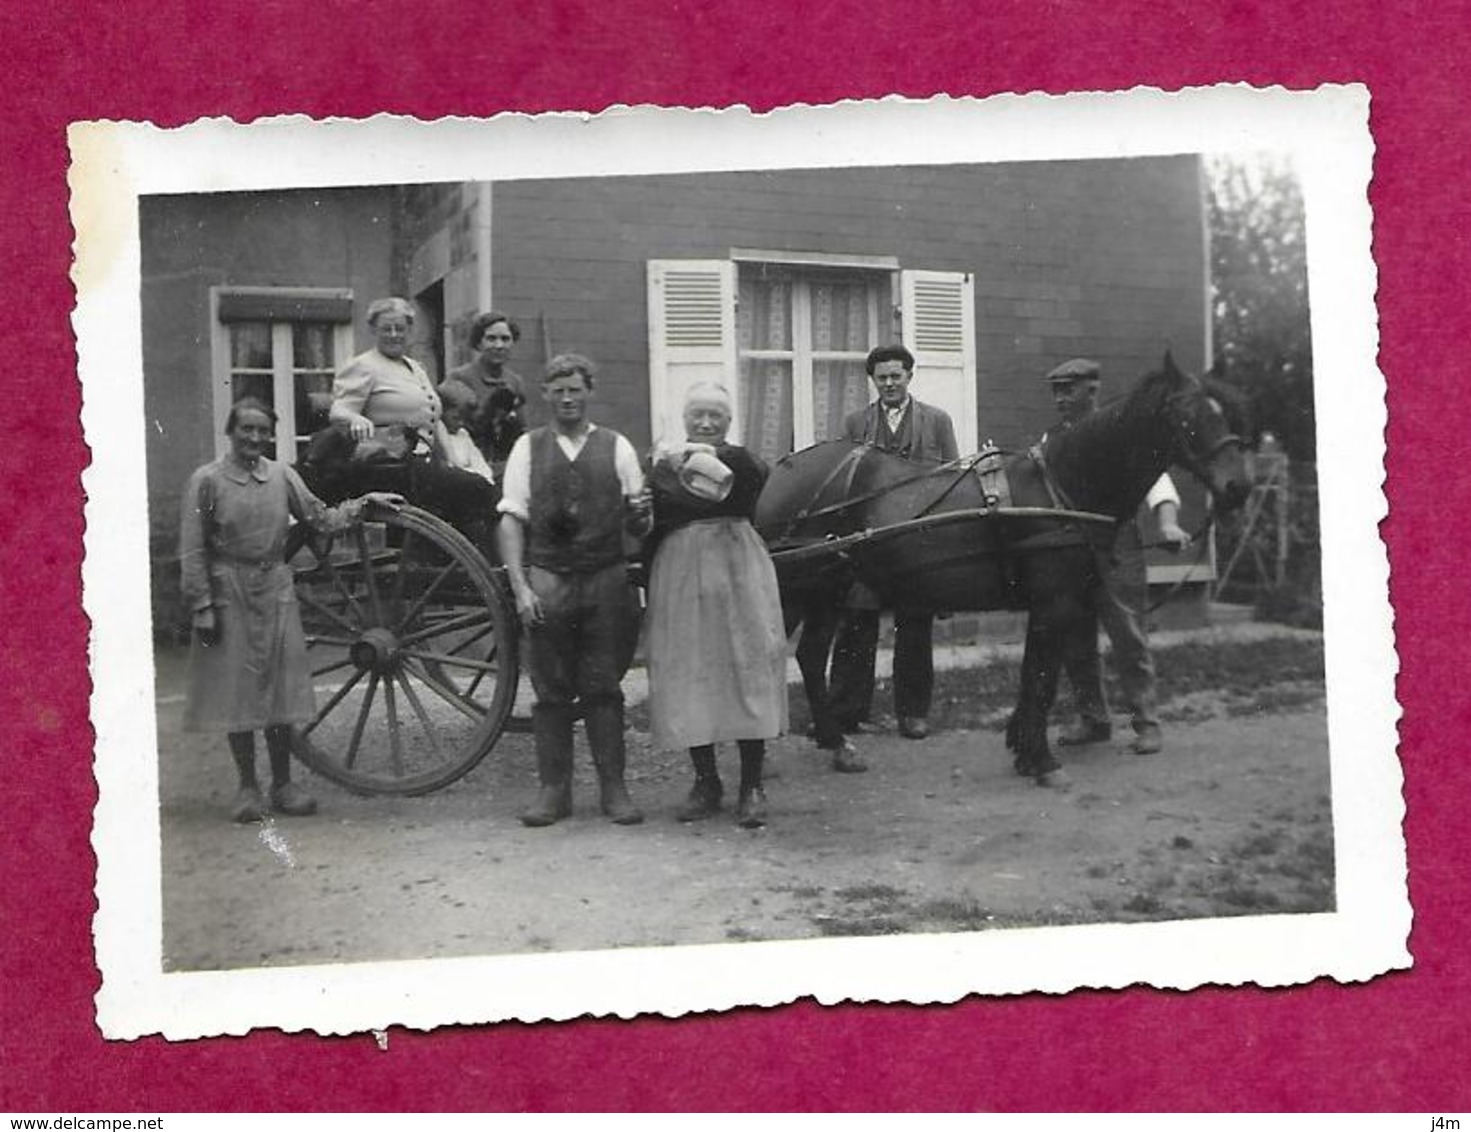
{"x":764,"y":313}
{"x":838,"y":388}
{"x":311,"y":345}
{"x":257,"y":385}
{"x":840,"y":316}
{"x":313,"y":400}
{"x":250,"y":345}
{"x":766,"y":407}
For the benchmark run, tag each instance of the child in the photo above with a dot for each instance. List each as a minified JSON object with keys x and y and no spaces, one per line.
{"x":456,"y":446}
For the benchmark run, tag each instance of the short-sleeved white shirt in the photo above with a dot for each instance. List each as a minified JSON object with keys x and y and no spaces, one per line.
{"x":1163,"y":491}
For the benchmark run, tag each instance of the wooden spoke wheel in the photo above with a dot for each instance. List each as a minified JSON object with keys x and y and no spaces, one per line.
{"x":412,"y":640}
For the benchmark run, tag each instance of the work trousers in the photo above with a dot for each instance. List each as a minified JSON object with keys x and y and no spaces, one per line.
{"x":855,"y":649}
{"x":1117,"y":603}
{"x":585,"y":643}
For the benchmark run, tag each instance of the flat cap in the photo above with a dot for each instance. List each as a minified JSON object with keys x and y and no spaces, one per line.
{"x":1079,"y":369}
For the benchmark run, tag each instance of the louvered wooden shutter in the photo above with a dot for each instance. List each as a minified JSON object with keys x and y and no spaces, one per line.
{"x":691,"y":337}
{"x":938,"y":314}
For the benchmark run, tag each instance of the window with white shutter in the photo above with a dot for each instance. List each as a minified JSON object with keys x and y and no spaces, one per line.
{"x":691,"y":337}
{"x":937,"y":312}
{"x":789,"y":338}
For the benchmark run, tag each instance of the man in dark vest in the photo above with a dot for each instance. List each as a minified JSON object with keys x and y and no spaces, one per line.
{"x":571,"y":490}
{"x":899,"y":424}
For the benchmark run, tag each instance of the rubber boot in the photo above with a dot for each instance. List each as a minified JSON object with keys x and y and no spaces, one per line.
{"x":552,"y":727}
{"x":604,"y":721}
{"x":705,"y":794}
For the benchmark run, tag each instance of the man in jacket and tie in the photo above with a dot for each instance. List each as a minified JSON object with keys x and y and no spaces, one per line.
{"x":898,"y":424}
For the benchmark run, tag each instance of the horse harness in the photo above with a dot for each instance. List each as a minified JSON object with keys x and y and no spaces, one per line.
{"x":988,"y":466}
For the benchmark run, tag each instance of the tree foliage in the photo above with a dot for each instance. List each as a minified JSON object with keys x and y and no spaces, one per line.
{"x":1259,"y":293}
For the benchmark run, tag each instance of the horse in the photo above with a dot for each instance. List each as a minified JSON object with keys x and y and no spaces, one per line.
{"x":1023,"y":532}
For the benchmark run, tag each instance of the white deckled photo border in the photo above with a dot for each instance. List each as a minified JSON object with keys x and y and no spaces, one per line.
{"x":1325,"y":130}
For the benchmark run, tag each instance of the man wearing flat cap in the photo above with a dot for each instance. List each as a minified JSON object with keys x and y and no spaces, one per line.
{"x":902,"y":426}
{"x":1118,"y":601}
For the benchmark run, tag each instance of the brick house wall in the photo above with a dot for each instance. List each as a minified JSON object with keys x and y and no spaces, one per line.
{"x":190,"y":243}
{"x":1100,"y":258}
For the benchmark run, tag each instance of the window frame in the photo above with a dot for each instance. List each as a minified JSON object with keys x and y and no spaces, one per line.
{"x":283,"y":389}
{"x":803,"y":269}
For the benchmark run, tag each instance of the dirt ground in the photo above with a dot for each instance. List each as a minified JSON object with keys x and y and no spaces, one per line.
{"x":1233,"y":818}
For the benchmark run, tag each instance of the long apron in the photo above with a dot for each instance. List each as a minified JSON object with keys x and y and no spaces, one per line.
{"x":717,"y":652}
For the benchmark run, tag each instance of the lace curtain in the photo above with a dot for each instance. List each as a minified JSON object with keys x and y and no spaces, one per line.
{"x":840,"y":321}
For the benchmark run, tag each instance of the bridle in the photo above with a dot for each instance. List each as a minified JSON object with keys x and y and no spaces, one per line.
{"x":1183,"y":426}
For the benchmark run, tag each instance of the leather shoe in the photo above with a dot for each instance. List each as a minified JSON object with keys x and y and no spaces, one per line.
{"x":849,"y":727}
{"x":290,"y":799}
{"x":751,"y":810}
{"x":1148,"y":740}
{"x":914,"y":727}
{"x":703,"y":800}
{"x":247,"y":806}
{"x":846,"y":760}
{"x":1086,"y":731}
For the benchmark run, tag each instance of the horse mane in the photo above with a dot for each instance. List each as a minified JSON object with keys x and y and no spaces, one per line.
{"x":1237,"y":404}
{"x":1107,"y":461}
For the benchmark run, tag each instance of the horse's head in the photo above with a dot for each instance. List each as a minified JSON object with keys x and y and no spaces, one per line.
{"x":1201,"y":438}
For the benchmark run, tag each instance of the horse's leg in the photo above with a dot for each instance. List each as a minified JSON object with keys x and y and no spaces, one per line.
{"x":1026,"y":734}
{"x":1058,"y":604}
{"x":819,"y":624}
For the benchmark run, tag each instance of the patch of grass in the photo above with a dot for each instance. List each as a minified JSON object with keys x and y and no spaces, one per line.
{"x":1275,"y":674}
{"x":956,"y":915}
{"x":1250,"y":898}
{"x":876,"y":893}
{"x":868,"y":925}
{"x":1265,"y":700}
{"x":1259,"y":844}
{"x":800,"y":891}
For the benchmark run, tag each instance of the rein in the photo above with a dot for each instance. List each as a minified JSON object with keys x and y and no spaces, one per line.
{"x":1197,"y":540}
{"x":850,"y":463}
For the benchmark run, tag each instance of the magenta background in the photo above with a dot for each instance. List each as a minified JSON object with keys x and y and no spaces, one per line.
{"x":1402,"y":1042}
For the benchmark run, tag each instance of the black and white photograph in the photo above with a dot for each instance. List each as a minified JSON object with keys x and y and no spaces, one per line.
{"x":675,"y":560}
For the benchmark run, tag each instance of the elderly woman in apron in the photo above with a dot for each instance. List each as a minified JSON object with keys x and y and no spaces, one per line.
{"x":248,"y":667}
{"x":717,"y":652}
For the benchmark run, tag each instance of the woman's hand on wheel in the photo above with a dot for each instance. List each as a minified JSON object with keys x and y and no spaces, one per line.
{"x":360,"y":427}
{"x":384,"y":501}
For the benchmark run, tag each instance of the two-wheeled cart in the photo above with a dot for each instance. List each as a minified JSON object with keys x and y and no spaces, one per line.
{"x":412,"y":637}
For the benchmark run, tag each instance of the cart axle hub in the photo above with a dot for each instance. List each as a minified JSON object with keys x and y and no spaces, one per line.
{"x":377,"y":649}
